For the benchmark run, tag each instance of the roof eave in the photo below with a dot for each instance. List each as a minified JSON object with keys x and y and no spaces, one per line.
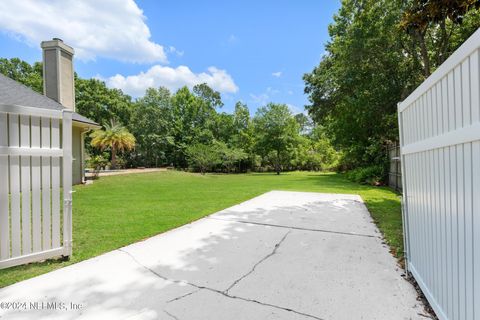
{"x":86,"y":125}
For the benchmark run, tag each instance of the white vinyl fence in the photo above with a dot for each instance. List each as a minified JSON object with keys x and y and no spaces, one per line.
{"x":440,"y":151}
{"x":35,"y":147}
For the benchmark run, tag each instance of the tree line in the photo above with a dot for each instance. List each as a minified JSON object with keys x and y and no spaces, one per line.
{"x":187,"y":129}
{"x":379,"y":51}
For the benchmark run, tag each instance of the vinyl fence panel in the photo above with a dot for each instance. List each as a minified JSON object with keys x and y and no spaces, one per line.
{"x":15,"y":221}
{"x":25,"y":186}
{"x":440,"y":155}
{"x":35,"y":163}
{"x":4,"y":198}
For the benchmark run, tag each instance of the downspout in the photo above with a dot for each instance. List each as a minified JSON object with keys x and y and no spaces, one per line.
{"x":82,"y":153}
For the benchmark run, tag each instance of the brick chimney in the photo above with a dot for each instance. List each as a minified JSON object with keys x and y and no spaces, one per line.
{"x":58,"y":72}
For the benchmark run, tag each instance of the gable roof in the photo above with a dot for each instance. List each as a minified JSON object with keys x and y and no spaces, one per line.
{"x":15,"y":93}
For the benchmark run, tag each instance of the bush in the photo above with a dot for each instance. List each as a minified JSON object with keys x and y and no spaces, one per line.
{"x":97,"y":163}
{"x":373,"y":175}
{"x":121,"y":163}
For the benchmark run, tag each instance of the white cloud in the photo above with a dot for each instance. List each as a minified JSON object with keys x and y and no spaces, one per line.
{"x":173,"y":79}
{"x":263,"y":98}
{"x":172,"y":49}
{"x":272,"y":91}
{"x":277,"y":74}
{"x":107,"y":28}
{"x":260,"y":99}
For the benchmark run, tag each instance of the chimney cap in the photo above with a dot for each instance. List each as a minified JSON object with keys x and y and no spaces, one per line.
{"x":57,"y":43}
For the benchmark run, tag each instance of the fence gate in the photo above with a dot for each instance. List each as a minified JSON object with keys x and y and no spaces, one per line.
{"x":395,"y":170}
{"x":35,"y":176}
{"x":440,"y":150}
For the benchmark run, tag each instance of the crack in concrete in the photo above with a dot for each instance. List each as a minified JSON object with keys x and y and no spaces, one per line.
{"x":149,"y":269}
{"x":183,"y":296}
{"x":277,"y":245}
{"x":170,"y":315}
{"x":223,"y":293}
{"x":276,"y":307}
{"x":297,"y":228}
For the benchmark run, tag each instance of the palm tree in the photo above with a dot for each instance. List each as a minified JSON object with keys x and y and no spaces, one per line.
{"x":116,"y":137}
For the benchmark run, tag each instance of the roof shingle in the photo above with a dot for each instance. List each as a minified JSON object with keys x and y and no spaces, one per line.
{"x":15,"y":93}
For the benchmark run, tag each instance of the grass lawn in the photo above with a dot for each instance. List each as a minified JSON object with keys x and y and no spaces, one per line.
{"x":118,"y":210}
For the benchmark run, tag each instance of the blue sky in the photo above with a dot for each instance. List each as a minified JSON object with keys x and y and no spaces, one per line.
{"x":253,"y":51}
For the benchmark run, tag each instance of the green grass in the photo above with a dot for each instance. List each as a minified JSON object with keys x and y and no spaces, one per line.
{"x":118,"y":210}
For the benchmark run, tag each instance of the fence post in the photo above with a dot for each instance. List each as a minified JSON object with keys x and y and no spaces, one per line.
{"x":404,"y":200}
{"x":67,"y":181}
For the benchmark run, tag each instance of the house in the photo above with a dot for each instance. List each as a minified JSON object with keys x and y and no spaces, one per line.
{"x":59,"y":94}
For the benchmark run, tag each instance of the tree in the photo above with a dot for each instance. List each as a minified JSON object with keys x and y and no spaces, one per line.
{"x":23,"y":72}
{"x":94,"y":100}
{"x":277,"y":133}
{"x":379,"y":51}
{"x":193,"y":117}
{"x":241,"y":117}
{"x":116,"y":137}
{"x":431,"y":26}
{"x":186,"y":128}
{"x":354,"y":90}
{"x":323,"y":155}
{"x":152,"y":127}
{"x":211,"y":98}
{"x":244,"y":137}
{"x":202,"y":156}
{"x":230,"y":156}
{"x":223,"y":127}
{"x":304,"y":122}
{"x":315,"y":152}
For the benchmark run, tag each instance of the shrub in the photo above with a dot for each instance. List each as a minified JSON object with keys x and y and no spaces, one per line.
{"x":97,"y":163}
{"x":373,"y":175}
{"x":121,"y":163}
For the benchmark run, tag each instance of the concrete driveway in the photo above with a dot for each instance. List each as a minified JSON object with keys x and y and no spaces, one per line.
{"x":282,"y":255}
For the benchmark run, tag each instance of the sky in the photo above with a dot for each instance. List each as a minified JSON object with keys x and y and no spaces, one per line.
{"x":250,"y":51}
